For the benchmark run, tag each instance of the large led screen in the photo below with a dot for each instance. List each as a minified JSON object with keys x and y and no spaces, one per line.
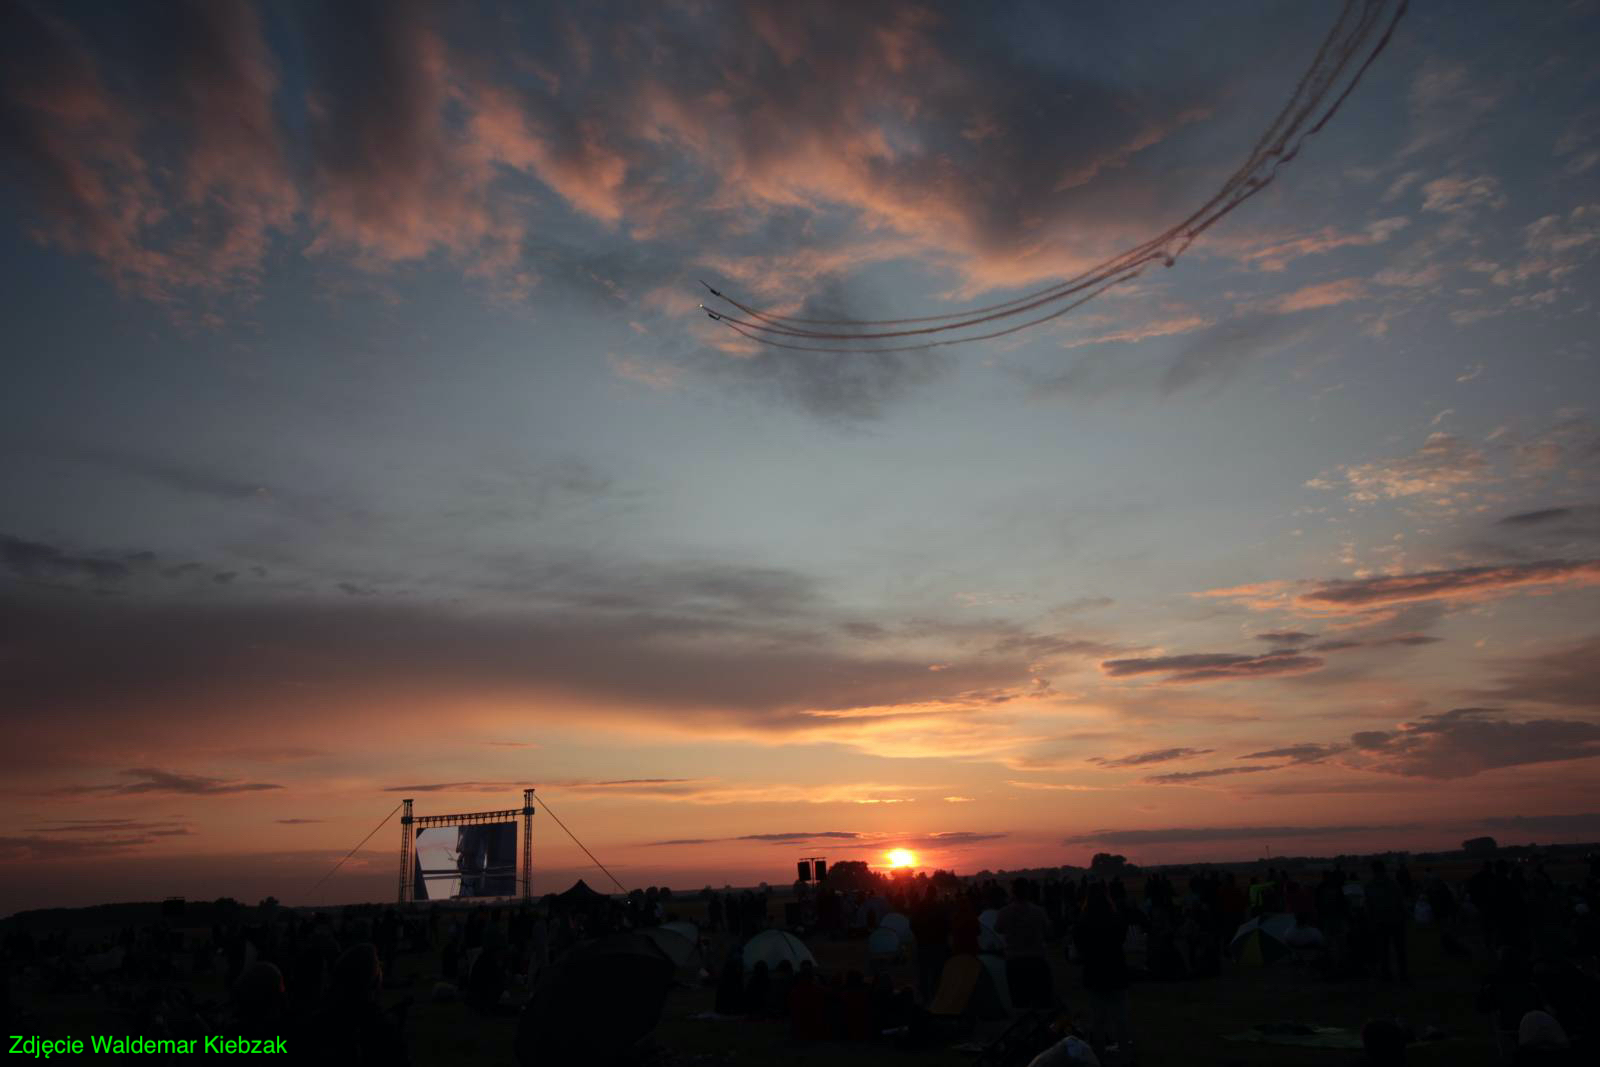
{"x":466,"y":861}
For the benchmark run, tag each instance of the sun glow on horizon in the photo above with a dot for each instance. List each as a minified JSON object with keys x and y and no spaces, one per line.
{"x":902,"y":857}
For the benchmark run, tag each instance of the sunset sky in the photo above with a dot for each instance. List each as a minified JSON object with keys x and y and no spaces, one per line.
{"x":362,"y":439}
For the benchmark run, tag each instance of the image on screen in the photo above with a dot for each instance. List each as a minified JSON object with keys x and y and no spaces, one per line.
{"x":455,"y":862}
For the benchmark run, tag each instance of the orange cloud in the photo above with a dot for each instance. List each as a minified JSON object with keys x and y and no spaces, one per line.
{"x":1311,"y":297}
{"x":1461,"y":583}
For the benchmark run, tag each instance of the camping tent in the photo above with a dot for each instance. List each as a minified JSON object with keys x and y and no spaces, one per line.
{"x":772,"y":947}
{"x":883,"y":942}
{"x":900,"y":925}
{"x":596,"y":1002}
{"x":972,"y":986}
{"x":1262,"y":939}
{"x":684,"y":954}
{"x":689,"y":930}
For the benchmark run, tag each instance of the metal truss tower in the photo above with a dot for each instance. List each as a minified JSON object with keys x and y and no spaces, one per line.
{"x":406,"y":844}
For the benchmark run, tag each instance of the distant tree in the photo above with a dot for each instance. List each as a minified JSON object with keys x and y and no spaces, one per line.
{"x":850,"y":875}
{"x":943,"y":879}
{"x":1108,"y":864}
{"x":1479,"y":846}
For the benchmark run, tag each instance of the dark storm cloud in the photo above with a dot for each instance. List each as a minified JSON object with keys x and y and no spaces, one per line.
{"x":1212,"y":666}
{"x":1179,"y":777}
{"x":1159,"y":755}
{"x":1466,"y":741}
{"x":1307,"y":753}
{"x":1192,"y":834}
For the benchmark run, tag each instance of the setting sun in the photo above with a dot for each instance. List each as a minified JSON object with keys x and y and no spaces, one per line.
{"x":902,"y":858}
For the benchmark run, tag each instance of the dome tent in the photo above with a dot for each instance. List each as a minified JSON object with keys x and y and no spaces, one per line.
{"x":772,"y":947}
{"x":1263,"y":939}
{"x":596,"y":1002}
{"x":684,"y":954}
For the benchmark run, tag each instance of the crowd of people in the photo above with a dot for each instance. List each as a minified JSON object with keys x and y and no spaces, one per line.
{"x":1058,"y":944}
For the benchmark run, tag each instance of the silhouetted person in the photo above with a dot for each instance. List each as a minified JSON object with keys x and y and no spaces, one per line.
{"x":1386,"y":914}
{"x":931,"y":928}
{"x":965,"y":928}
{"x":778,"y":993}
{"x":758,"y":990}
{"x":260,"y":1006}
{"x":1026,"y":926}
{"x":1507,"y":996}
{"x":730,"y":985}
{"x":808,"y":1006}
{"x":856,"y":1006}
{"x":487,"y":980}
{"x":1099,"y":937}
{"x":351,"y":1027}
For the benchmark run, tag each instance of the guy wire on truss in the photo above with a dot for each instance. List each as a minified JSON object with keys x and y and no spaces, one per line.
{"x":1337,"y":63}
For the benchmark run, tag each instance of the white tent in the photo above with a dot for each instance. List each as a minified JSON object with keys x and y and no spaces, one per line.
{"x":900,"y":925}
{"x":772,"y":947}
{"x":988,"y":917}
{"x":689,"y":930}
{"x":685,"y":954}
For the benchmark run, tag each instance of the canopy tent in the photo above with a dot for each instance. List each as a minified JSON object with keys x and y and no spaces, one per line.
{"x":772,"y":947}
{"x":596,"y":1002}
{"x":581,"y":896}
{"x":1263,"y":939}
